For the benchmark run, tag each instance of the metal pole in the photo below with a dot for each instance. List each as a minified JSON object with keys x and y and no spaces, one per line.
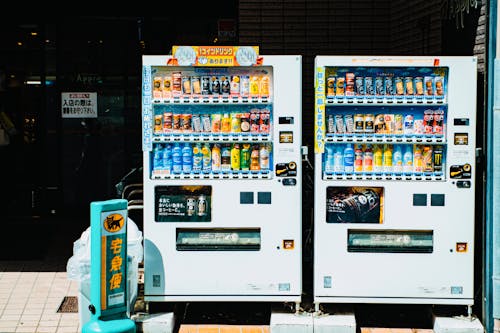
{"x":492,"y":203}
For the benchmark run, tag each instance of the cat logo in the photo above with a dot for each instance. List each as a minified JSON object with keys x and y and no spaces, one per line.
{"x":113,"y":222}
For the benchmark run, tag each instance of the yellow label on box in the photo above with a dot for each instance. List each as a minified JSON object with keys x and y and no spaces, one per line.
{"x":216,"y":55}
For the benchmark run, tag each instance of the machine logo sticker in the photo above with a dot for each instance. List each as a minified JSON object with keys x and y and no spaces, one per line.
{"x":113,"y":222}
{"x":288,"y":244}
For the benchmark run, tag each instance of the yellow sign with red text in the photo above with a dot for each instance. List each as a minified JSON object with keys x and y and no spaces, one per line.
{"x":215,"y":56}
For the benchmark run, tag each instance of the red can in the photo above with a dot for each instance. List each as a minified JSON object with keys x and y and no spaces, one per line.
{"x":437,"y":125}
{"x":254,"y":121}
{"x":428,"y":122}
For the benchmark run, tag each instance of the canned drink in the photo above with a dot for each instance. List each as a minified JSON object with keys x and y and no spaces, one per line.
{"x":369,"y":123}
{"x":202,"y":205}
{"x":398,"y":124}
{"x":215,"y":123}
{"x":330,"y":128}
{"x":190,"y":206}
{"x":428,"y":122}
{"x":349,"y":123}
{"x":439,"y":85}
{"x":197,"y":127}
{"x":418,"y":125}
{"x":330,"y":86}
{"x":225,"y":85}
{"x":389,"y":123}
{"x":245,"y":122}
{"x":158,"y":126}
{"x":176,"y":122}
{"x":339,"y":86}
{"x":437,"y":126}
{"x":379,"y":86}
{"x":176,"y":83}
{"x":379,"y":124}
{"x":186,"y":85}
{"x":235,"y":85}
{"x":264,"y":86}
{"x":427,"y":159}
{"x":157,"y":87}
{"x":215,"y":85}
{"x":339,"y":124}
{"x":206,"y":125}
{"x":186,"y":124}
{"x":264,"y":121}
{"x":409,"y":91}
{"x":244,"y":85}
{"x":167,"y":122}
{"x":349,"y":84}
{"x":359,"y":123}
{"x":398,"y":82}
{"x":408,"y":125}
{"x":167,"y":87}
{"x":429,"y":86}
{"x":254,"y":121}
{"x":437,"y":158}
{"x":205,"y":85}
{"x":196,"y":85}
{"x":419,"y":86}
{"x":370,"y":91}
{"x":360,"y":86}
{"x":389,"y":87}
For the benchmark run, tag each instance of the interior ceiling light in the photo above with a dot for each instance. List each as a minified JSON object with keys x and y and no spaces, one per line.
{"x":19,"y":43}
{"x":34,"y":33}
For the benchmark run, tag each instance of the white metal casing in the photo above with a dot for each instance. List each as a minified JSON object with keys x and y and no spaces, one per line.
{"x":420,"y":278}
{"x":269,"y":274}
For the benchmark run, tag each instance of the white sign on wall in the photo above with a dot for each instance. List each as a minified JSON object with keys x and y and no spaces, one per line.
{"x":79,"y":104}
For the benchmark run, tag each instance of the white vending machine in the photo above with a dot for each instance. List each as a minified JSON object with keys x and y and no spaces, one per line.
{"x":394,"y":179}
{"x":222,"y":175}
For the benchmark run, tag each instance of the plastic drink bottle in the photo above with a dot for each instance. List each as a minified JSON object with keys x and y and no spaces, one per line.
{"x":158,"y":158}
{"x":197,"y":158}
{"x":207,"y":158}
{"x":338,"y":161}
{"x":377,"y":159}
{"x":397,"y":159}
{"x":187,"y":158}
{"x":177,"y":158}
{"x":264,"y":157}
{"x":167,"y":158}
{"x":408,"y":160}
{"x":387,"y":159}
{"x":216,"y":158}
{"x":368,"y":159}
{"x":329,"y":159}
{"x":235,"y":157}
{"x":349,"y":158}
{"x":358,"y":158}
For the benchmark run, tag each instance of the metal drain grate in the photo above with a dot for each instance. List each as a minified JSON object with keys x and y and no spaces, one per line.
{"x":69,"y":304}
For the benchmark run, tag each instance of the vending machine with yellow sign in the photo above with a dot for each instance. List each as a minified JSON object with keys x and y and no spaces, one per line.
{"x":222,"y":175}
{"x":394,"y":179}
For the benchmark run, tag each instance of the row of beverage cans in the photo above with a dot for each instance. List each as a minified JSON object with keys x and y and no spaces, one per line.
{"x":431,"y":122}
{"x":256,"y":121}
{"x":383,"y":159}
{"x":178,"y":84}
{"x":384,"y":86}
{"x":187,"y":158}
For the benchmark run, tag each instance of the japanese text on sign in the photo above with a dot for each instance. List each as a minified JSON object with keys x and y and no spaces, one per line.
{"x":79,"y":105}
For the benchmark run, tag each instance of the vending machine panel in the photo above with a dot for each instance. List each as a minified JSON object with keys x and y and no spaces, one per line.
{"x":394,"y":179}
